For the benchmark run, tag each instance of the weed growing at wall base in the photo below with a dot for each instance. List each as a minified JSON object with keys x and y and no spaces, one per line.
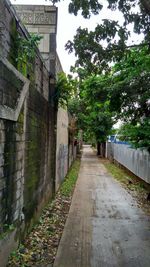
{"x":40,"y":246}
{"x":70,"y":180}
{"x":7,"y":228}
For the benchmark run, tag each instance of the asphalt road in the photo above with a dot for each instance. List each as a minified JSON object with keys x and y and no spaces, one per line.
{"x":105,"y":227}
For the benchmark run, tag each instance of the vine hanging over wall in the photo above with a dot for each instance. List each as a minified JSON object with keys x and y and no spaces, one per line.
{"x":23,"y":50}
{"x":27,"y":52}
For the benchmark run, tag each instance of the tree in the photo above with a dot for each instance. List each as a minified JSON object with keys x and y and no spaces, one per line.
{"x":123,"y":93}
{"x":66,"y":88}
{"x":91,"y":109}
{"x":89,"y":49}
{"x":89,"y":46}
{"x":137,"y":134}
{"x":89,"y":7}
{"x":130,"y":85}
{"x":126,"y":86}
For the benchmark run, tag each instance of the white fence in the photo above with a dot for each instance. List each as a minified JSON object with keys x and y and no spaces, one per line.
{"x":136,"y":160}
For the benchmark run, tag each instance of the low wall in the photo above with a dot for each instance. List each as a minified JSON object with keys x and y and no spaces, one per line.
{"x":135,"y":160}
{"x":62,"y":146}
{"x":66,"y":146}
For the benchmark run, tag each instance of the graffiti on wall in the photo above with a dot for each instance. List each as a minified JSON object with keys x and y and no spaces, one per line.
{"x":62,"y":162}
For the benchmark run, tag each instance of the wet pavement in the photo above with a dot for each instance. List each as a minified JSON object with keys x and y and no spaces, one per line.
{"x":105,"y":227}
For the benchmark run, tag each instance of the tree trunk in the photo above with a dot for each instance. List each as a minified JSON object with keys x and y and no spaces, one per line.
{"x":98,"y":148}
{"x":101,"y":148}
{"x":146,"y":5}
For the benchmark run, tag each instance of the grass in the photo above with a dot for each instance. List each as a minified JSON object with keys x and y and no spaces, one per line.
{"x":117,"y":173}
{"x":7,"y":229}
{"x":40,"y":246}
{"x":124,"y":177}
{"x":70,"y":180}
{"x":138,"y":188}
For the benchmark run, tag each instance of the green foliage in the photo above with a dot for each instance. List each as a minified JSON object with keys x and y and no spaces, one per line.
{"x":87,"y":7}
{"x":95,"y":90}
{"x":118,"y":174}
{"x":91,"y":108}
{"x":26,"y":52}
{"x":69,"y":182}
{"x":138,"y":135}
{"x":123,"y":93}
{"x":23,"y":49}
{"x":126,"y":178}
{"x":28,"y":46}
{"x":39,"y":247}
{"x":66,"y":87}
{"x":130,"y":85}
{"x":89,"y":47}
{"x":6,"y":229}
{"x":108,"y":42}
{"x":76,"y":107}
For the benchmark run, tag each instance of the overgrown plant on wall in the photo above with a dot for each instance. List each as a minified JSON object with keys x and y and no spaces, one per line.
{"x":27,"y":52}
{"x":66,"y":88}
{"x":23,"y":49}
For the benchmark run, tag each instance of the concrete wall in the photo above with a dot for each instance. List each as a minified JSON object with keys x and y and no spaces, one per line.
{"x":136,"y":160}
{"x":62,"y":146}
{"x":27,"y":135}
{"x":72,"y":145}
{"x":42,"y":20}
{"x":31,"y":168}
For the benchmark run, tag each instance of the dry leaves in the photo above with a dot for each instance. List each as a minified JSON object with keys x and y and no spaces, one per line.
{"x":40,"y":247}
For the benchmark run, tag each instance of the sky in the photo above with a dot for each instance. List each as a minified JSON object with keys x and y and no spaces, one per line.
{"x":68,"y":23}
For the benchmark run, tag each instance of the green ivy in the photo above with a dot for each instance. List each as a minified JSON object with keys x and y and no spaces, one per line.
{"x":66,"y":88}
{"x":27,"y":52}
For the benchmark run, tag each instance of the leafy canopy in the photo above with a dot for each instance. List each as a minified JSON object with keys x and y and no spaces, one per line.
{"x":66,"y":88}
{"x":122,"y":91}
{"x":92,"y":108}
{"x":130,"y":95}
{"x":130,"y":85}
{"x":109,"y":41}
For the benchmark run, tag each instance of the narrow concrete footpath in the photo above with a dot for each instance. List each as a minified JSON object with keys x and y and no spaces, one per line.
{"x":105,"y":228}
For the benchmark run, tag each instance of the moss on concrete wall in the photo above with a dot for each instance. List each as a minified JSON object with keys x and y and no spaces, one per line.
{"x":27,"y":146}
{"x":9,"y":170}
